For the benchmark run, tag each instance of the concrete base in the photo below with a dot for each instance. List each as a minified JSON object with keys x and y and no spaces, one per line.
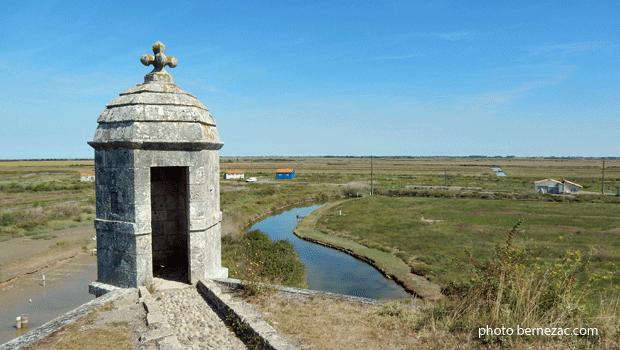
{"x":221,"y":272}
{"x":163,"y":284}
{"x":98,"y":289}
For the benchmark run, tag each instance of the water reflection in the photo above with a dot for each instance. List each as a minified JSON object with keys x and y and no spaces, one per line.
{"x":327,"y":269}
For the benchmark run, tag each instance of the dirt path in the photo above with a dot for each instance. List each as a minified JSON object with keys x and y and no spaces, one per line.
{"x":24,"y":255}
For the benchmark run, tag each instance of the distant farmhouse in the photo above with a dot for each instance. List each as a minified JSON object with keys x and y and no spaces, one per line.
{"x":556,"y":187}
{"x":285,"y":174}
{"x":87,"y":177}
{"x":234,"y":174}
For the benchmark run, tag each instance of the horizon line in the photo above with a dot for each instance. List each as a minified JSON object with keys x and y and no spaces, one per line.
{"x":351,"y":156}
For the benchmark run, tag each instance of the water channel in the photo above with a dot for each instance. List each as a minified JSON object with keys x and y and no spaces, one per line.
{"x":65,"y":289}
{"x":67,"y":286}
{"x":327,"y":269}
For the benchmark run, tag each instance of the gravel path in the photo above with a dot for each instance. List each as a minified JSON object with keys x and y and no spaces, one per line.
{"x":194,"y":323}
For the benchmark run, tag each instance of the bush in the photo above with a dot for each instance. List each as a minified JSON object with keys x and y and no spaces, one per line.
{"x":512,"y":288}
{"x":419,"y":269}
{"x":27,"y":224}
{"x":68,"y":211}
{"x":7,"y":219}
{"x":256,"y":235}
{"x":257,"y":259}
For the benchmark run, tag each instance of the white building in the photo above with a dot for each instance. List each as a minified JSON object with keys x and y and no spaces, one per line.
{"x":233,"y":174}
{"x":87,"y":177}
{"x":556,"y":187}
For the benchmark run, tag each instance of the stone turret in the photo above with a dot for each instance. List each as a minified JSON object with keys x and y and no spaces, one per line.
{"x":157,"y":183}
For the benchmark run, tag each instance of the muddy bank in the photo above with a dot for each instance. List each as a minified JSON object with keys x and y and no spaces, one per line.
{"x":24,"y":255}
{"x":415,"y":285}
{"x":367,"y":260}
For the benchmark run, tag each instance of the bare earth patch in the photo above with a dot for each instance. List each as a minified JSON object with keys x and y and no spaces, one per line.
{"x":24,"y":255}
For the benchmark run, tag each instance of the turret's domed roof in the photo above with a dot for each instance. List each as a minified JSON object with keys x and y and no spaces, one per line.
{"x":156,"y":114}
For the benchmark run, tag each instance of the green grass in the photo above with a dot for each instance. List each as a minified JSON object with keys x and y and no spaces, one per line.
{"x":385,"y":258}
{"x":469,"y":228}
{"x":44,"y":237}
{"x":243,"y":204}
{"x":255,"y":258}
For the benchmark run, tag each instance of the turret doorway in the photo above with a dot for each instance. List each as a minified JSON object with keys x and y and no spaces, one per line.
{"x":169,"y":222}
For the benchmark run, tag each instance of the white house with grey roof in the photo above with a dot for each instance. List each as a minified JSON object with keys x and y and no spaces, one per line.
{"x":556,"y":187}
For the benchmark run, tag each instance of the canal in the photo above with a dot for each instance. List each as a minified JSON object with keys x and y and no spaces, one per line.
{"x":327,"y":269}
{"x":66,"y":287}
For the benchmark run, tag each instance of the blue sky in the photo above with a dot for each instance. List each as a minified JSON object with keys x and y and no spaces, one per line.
{"x":311,"y":78}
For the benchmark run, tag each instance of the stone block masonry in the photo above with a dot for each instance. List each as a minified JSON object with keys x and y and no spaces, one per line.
{"x":54,"y":325}
{"x":243,"y":313}
{"x":157,"y":184}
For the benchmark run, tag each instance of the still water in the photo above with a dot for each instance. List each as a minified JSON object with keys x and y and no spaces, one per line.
{"x":66,"y":288}
{"x":327,"y":269}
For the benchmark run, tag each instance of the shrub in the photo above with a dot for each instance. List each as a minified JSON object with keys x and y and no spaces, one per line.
{"x":256,"y":259}
{"x":7,"y":219}
{"x":27,"y":224}
{"x":512,"y":288}
{"x":256,"y":235}
{"x":35,"y":213}
{"x":68,"y":211}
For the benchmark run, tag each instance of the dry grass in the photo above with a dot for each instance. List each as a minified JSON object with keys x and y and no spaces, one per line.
{"x":509,"y":291}
{"x":321,"y":323}
{"x":74,"y":337}
{"x":48,"y":163}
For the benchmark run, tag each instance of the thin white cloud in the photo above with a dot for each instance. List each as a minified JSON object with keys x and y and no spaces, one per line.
{"x":562,"y":49}
{"x":450,"y":36}
{"x":381,"y":58}
{"x":486,"y":103}
{"x":558,"y":50}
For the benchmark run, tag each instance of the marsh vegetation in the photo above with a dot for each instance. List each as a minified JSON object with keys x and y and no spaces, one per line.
{"x":445,"y":219}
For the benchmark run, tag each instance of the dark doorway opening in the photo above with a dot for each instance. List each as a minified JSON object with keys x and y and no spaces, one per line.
{"x":169,"y":222}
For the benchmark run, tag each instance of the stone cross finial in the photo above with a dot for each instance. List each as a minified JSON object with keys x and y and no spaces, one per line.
{"x":159,"y":62}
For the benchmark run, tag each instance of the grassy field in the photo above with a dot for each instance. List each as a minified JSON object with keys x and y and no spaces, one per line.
{"x":399,"y":173}
{"x":501,"y":263}
{"x":37,"y":197}
{"x":443,"y":218}
{"x":436,"y":237}
{"x":42,"y":196}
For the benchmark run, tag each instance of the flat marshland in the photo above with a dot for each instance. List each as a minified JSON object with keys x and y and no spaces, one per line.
{"x":487,"y":242}
{"x":437,"y":236}
{"x":502,"y":255}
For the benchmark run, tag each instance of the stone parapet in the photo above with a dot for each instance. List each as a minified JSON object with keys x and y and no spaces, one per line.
{"x":160,"y":330}
{"x":52,"y":326}
{"x":243,"y":313}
